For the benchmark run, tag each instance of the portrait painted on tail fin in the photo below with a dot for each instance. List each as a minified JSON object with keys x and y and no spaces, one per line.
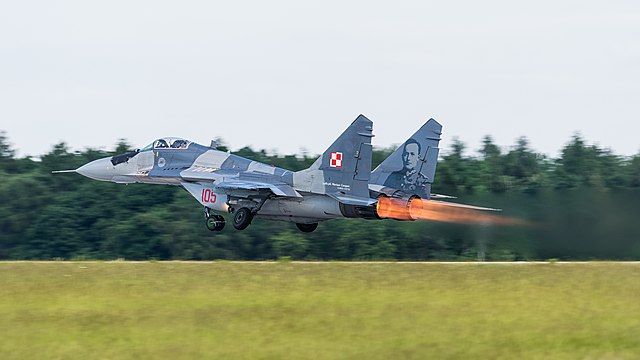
{"x":409,"y":177}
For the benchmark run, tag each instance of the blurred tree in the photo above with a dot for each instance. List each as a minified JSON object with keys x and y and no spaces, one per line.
{"x":7,"y":154}
{"x":493,"y":168}
{"x":122,"y":146}
{"x":379,"y":154}
{"x":456,"y":173}
{"x":582,"y":165}
{"x":633,"y":172}
{"x":289,"y":243}
{"x":22,"y":197}
{"x":522,"y":166}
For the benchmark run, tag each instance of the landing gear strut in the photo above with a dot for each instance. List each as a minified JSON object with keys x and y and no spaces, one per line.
{"x":213,"y":222}
{"x":242,"y":218}
{"x":245,"y":208}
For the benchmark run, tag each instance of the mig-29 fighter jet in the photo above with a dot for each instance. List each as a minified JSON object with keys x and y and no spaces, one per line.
{"x":338,"y":184}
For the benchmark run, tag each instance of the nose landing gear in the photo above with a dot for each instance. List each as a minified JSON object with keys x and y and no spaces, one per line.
{"x":213,"y":222}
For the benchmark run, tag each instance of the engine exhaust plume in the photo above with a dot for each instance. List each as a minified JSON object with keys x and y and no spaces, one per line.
{"x":419,"y":209}
{"x":389,"y":208}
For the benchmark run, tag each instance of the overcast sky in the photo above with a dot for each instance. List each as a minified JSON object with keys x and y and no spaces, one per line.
{"x":286,"y":75}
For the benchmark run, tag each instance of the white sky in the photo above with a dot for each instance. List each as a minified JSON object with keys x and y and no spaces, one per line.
{"x":283,"y":75}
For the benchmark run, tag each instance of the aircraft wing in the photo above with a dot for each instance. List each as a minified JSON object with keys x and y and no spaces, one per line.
{"x":235,"y":185}
{"x":279,"y":189}
{"x":199,"y":175}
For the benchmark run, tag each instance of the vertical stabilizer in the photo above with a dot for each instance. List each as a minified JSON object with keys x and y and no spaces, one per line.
{"x":344,"y":169}
{"x":412,"y":167}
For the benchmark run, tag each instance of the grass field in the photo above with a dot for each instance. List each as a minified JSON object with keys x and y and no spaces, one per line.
{"x":221,"y":310}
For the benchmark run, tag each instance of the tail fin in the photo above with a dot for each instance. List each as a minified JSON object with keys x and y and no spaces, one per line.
{"x":412,"y":167}
{"x":344,"y":169}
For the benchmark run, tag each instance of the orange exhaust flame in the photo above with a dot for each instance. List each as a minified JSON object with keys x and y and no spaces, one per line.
{"x":419,"y":209}
{"x":389,"y":208}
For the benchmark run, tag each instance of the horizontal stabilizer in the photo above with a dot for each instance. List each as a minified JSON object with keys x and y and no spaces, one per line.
{"x":440,"y":196}
{"x":463,"y":206}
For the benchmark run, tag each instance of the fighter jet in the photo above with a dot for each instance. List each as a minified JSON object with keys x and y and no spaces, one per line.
{"x":338,"y":184}
{"x":335,"y":186}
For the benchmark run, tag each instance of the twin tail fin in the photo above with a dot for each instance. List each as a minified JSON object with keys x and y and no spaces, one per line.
{"x":344,"y":169}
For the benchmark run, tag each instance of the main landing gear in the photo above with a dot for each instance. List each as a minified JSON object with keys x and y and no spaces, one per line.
{"x":307,"y":227}
{"x":242,"y":218}
{"x":214,"y":222}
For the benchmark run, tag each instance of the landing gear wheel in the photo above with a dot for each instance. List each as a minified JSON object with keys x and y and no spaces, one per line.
{"x":307,"y":227}
{"x":215,"y":222}
{"x":242,"y":218}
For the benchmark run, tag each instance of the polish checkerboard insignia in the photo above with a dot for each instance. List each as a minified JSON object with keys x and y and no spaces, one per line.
{"x":336,"y":160}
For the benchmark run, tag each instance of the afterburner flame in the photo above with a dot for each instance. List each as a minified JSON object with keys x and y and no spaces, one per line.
{"x":419,"y":209}
{"x":389,"y":208}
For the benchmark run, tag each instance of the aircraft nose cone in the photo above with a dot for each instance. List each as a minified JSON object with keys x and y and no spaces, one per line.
{"x":100,"y":169}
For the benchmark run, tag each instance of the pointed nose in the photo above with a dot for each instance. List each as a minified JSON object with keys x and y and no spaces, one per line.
{"x":101,"y":169}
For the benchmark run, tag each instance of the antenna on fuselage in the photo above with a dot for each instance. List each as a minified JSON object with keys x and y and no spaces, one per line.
{"x":217,"y":145}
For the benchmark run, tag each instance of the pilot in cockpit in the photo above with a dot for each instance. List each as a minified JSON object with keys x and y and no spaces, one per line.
{"x":161,"y":144}
{"x":179,"y":144}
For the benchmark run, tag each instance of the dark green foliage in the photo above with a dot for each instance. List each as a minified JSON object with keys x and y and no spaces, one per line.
{"x":493,"y":174}
{"x":583,"y":165}
{"x":582,"y":205}
{"x":632,"y":174}
{"x":8,"y":163}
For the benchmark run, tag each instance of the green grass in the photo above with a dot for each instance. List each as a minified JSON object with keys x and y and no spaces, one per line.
{"x":225,"y":310}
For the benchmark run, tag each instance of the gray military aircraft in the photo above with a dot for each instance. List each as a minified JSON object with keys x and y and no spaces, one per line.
{"x":338,"y":184}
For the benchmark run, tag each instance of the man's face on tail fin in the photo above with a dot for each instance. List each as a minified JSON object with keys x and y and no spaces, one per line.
{"x":410,"y":155}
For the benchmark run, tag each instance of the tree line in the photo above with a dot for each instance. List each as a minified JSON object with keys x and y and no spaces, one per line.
{"x":582,"y":205}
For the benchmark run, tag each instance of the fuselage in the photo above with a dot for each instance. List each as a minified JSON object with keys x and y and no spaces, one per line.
{"x":200,"y":169}
{"x":173,"y":166}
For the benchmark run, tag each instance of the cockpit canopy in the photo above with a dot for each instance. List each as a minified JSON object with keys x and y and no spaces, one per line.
{"x":171,"y":143}
{"x":168,"y":143}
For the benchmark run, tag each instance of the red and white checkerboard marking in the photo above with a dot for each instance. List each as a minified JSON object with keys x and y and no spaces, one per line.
{"x":336,"y":160}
